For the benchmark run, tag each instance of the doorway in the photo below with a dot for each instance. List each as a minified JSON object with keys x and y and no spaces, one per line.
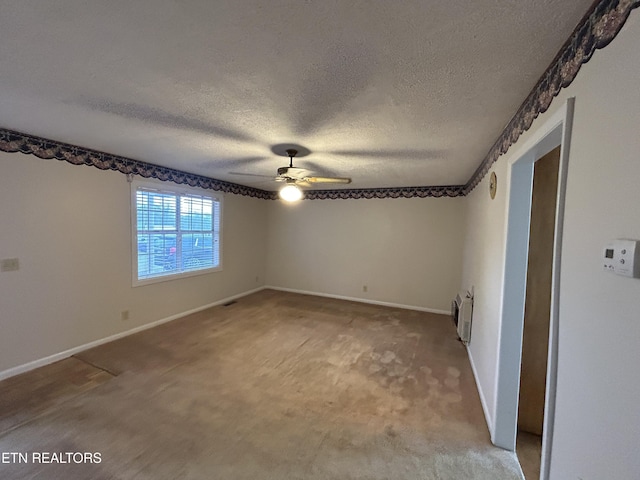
{"x":554,"y":133}
{"x":537,"y":314}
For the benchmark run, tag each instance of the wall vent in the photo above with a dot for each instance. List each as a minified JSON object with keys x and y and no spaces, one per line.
{"x":461,"y":311}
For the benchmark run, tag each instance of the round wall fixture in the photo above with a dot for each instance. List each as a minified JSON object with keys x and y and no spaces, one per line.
{"x":493,"y":185}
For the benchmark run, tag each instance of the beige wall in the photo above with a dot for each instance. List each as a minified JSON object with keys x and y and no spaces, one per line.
{"x":406,"y":251}
{"x":70,"y":228}
{"x":597,"y":426}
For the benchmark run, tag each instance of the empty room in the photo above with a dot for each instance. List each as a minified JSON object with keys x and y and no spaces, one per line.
{"x":319,"y":240}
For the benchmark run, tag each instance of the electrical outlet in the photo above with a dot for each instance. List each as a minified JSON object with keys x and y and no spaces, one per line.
{"x":9,"y":265}
{"x":365,"y":288}
{"x":124,"y":315}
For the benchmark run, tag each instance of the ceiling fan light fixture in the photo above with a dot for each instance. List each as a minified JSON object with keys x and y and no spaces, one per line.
{"x":291,"y":193}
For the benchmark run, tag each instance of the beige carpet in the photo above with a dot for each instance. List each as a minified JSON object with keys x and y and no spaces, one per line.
{"x":275,"y":386}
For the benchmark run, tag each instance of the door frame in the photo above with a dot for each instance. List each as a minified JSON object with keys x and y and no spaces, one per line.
{"x":554,"y":132}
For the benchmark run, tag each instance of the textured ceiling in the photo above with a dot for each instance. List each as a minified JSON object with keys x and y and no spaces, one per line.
{"x":402,"y":93}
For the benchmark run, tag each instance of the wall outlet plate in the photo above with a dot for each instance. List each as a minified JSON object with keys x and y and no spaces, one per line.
{"x":9,"y":265}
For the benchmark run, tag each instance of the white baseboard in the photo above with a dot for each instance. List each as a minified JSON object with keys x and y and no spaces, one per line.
{"x":487,"y":415}
{"x":361,"y":300}
{"x":72,"y":351}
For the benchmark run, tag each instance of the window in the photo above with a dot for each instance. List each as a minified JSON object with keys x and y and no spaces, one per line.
{"x":176,"y":232}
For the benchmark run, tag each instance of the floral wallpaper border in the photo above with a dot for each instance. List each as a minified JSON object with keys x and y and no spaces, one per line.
{"x":598,"y":28}
{"x":596,"y":31}
{"x":400,"y":192}
{"x":11,"y":141}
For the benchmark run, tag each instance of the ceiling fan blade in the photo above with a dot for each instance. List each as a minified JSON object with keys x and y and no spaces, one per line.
{"x":302,"y":183}
{"x":327,"y":180}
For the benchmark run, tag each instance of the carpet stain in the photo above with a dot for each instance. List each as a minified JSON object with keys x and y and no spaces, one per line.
{"x":281,"y":386}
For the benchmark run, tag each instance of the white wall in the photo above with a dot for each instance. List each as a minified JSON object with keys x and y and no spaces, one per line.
{"x":406,"y":251}
{"x":484,"y":251}
{"x":70,"y":227}
{"x":597,"y":423}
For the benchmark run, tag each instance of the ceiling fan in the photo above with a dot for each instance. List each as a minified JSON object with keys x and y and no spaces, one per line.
{"x":296,"y":177}
{"x":301,"y":176}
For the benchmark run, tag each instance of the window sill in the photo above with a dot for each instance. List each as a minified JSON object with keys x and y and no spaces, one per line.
{"x":174,"y":276}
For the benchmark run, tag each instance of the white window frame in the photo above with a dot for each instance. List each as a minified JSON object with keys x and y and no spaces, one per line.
{"x":178,"y":190}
